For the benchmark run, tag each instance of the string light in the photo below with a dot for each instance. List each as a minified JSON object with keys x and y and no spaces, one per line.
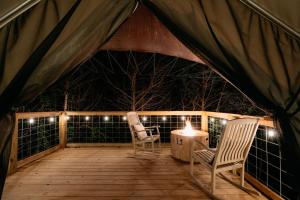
{"x":51,"y":119}
{"x":106,"y":118}
{"x":271,"y":133}
{"x":224,"y":121}
{"x":31,"y":121}
{"x":67,"y":118}
{"x":164,"y":118}
{"x":212,"y":119}
{"x":124,"y":118}
{"x":182,"y":118}
{"x":144,"y":118}
{"x":87,"y":118}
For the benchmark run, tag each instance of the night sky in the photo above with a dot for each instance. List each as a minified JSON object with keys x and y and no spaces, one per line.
{"x":107,"y":80}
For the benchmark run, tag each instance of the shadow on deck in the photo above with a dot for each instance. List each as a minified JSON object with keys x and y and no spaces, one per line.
{"x":111,"y":173}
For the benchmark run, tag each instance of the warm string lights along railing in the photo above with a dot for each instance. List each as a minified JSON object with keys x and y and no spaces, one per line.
{"x":271,"y":133}
{"x":32,"y":120}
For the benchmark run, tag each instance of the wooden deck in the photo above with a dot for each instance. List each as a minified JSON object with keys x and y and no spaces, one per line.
{"x":111,"y":173}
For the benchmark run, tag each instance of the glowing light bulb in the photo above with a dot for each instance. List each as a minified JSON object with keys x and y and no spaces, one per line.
{"x":271,"y":133}
{"x":51,"y":119}
{"x":124,"y":118}
{"x":67,"y":118}
{"x":164,"y":118}
{"x":106,"y":118}
{"x":144,"y":118}
{"x":87,"y":118}
{"x":224,"y":121}
{"x":212,"y":119}
{"x":182,"y":118}
{"x":31,"y":121}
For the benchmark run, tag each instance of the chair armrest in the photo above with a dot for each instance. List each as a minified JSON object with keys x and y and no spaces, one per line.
{"x":205,"y":147}
{"x":147,"y":131}
{"x":150,"y":128}
{"x":138,"y":131}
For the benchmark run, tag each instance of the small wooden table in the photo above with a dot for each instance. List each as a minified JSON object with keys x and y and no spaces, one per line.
{"x":181,"y":143}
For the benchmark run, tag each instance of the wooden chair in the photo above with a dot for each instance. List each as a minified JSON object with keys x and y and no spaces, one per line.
{"x":142,"y":135}
{"x":231,"y":152}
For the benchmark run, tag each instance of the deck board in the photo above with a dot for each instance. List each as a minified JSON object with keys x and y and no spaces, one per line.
{"x":111,"y":173}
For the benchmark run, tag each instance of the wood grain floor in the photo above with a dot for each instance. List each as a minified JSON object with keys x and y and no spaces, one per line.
{"x":111,"y":173}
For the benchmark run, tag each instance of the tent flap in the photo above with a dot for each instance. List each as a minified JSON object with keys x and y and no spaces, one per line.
{"x":48,"y":40}
{"x":22,"y":36}
{"x":259,"y":58}
{"x":93,"y":23}
{"x":6,"y":124}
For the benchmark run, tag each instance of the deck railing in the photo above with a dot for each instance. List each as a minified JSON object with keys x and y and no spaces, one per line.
{"x":86,"y":128}
{"x":34,"y":135}
{"x":37,"y":134}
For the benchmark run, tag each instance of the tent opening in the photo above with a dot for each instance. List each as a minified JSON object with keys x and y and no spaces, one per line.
{"x":251,"y":44}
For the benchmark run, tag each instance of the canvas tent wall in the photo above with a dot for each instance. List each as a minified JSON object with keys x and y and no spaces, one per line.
{"x":253,"y":44}
{"x":46,"y":41}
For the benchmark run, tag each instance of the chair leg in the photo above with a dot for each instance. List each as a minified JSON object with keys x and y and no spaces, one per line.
{"x":134,"y":150}
{"x":213,"y":183}
{"x":192,"y":165}
{"x":242,"y":176}
{"x":144,"y":147}
{"x":234,"y":172}
{"x":152,"y":147}
{"x":159,"y":143}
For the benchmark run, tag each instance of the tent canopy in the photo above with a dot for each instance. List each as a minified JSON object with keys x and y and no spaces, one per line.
{"x":254,"y":44}
{"x":150,"y":36}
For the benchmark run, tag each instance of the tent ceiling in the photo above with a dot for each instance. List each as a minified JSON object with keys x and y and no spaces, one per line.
{"x":150,"y":36}
{"x":283,"y":12}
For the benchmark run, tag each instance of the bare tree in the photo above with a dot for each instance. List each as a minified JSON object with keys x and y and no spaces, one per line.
{"x":201,"y":87}
{"x":81,"y":91}
{"x":141,"y":81}
{"x":145,"y":83}
{"x":221,"y":97}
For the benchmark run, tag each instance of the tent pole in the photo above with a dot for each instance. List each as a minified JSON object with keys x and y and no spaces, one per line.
{"x":14,"y":13}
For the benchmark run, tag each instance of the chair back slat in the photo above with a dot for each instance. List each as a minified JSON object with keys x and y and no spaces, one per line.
{"x":250,"y":128}
{"x":236,"y":141}
{"x":241,"y":138}
{"x":226,"y":143}
{"x":240,"y":146}
{"x":231,"y":143}
{"x":133,"y":119}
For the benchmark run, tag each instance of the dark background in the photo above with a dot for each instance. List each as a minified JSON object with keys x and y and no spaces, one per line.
{"x":124,"y":81}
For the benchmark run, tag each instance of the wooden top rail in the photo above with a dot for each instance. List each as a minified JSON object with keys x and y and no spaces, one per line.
{"x":117,"y":113}
{"x":264,"y":121}
{"x":28,"y":115}
{"x":229,"y":116}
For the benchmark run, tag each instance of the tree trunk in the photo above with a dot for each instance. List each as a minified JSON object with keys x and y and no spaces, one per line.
{"x":66,"y":102}
{"x":220,"y":99}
